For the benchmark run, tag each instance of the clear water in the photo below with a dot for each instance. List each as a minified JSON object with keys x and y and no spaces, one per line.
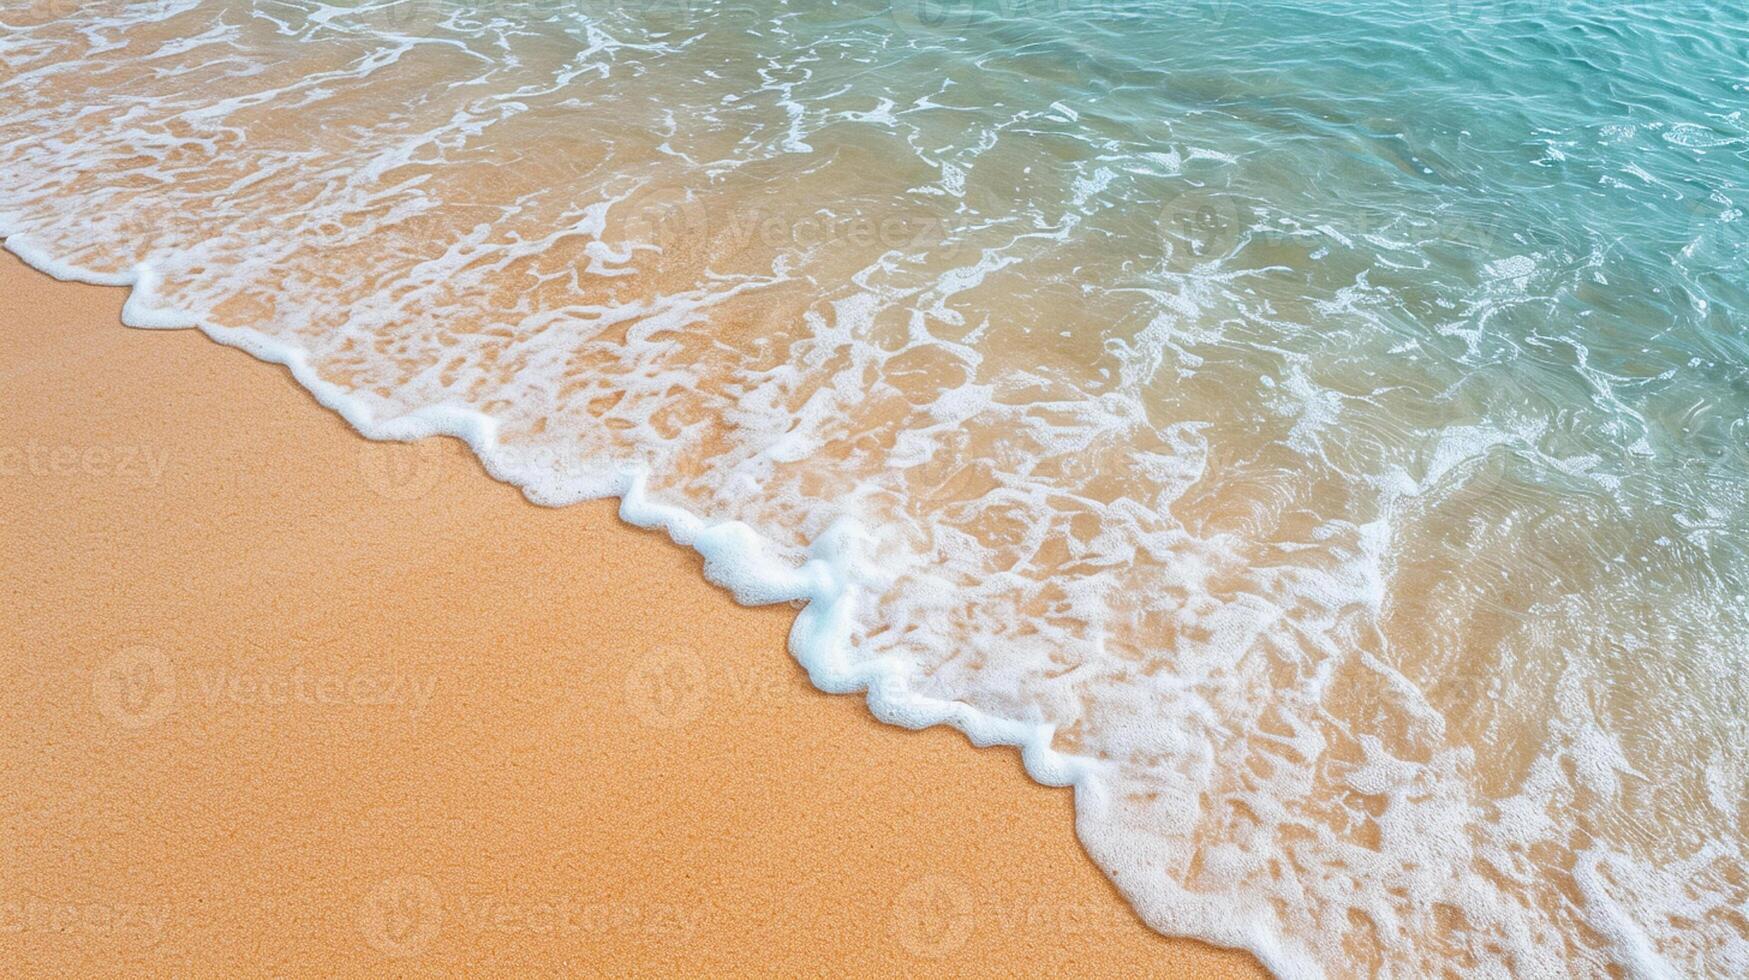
{"x":1328,"y":423}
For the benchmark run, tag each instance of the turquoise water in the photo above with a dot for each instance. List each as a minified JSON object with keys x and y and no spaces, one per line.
{"x":1318,"y":433}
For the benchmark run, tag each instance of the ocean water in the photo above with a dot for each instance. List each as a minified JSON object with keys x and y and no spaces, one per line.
{"x":1319,"y":432}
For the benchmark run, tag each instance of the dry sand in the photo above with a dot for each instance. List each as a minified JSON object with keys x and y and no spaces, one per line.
{"x":278,"y":699}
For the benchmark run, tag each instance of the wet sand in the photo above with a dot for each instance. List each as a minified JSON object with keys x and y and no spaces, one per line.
{"x":282,"y":700}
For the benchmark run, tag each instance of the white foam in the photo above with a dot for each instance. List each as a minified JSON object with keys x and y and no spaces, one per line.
{"x":736,"y":557}
{"x":1223,"y":548}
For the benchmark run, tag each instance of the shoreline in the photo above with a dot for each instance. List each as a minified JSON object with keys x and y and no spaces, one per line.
{"x":293,"y":699}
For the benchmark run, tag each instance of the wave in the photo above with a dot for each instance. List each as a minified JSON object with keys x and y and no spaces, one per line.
{"x":1317,"y":497}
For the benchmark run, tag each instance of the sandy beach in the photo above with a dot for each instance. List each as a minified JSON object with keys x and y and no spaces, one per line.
{"x":282,"y":700}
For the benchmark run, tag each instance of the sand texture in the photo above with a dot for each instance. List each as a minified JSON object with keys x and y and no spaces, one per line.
{"x":282,"y":700}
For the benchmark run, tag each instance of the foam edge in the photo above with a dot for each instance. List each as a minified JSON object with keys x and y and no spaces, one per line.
{"x":737,"y":557}
{"x":740,"y":560}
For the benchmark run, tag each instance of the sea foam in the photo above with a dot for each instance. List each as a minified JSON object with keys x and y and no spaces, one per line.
{"x":1349,"y":508}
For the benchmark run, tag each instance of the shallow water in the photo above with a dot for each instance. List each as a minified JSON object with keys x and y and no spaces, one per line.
{"x":1327,"y":423}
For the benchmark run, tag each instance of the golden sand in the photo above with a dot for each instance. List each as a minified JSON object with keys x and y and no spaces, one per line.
{"x":283,"y":700}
